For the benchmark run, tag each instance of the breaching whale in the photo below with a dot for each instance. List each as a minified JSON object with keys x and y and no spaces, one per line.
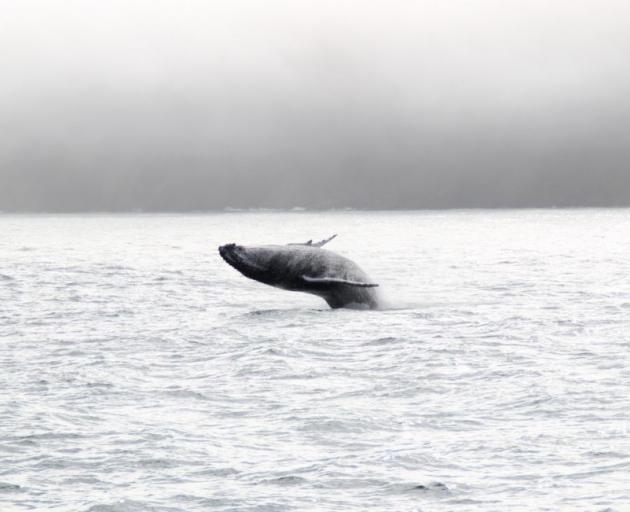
{"x":305,"y":267}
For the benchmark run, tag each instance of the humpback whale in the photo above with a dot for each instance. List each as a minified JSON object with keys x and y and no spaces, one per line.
{"x":305,"y":267}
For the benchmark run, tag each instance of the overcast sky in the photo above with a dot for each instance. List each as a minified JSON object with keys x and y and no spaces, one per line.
{"x":176,"y":105}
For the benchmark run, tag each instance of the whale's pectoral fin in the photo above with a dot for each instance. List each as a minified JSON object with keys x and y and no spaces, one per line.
{"x":318,"y":244}
{"x":324,"y":281}
{"x":324,"y":242}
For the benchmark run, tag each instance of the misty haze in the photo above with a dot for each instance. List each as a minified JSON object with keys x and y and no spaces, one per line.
{"x":162,"y":106}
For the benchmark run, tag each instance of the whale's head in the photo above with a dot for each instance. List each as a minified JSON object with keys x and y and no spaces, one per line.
{"x":259,"y":263}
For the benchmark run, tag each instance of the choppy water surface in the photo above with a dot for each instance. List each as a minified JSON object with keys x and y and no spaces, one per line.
{"x":140,"y":372}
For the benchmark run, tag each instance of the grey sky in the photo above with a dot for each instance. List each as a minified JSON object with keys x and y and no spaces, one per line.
{"x":195,"y":104}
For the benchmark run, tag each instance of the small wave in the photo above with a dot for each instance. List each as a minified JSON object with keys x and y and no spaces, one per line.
{"x":432,"y":487}
{"x":279,"y":313}
{"x":285,"y":480}
{"x":8,"y":487}
{"x":187,"y":393}
{"x":217,"y":472}
{"x":381,"y":341}
{"x":129,"y":506}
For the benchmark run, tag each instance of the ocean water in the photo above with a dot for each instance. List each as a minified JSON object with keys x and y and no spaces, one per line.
{"x":139,"y":372}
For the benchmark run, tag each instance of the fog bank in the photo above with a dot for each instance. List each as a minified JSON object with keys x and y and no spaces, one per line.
{"x":187,"y":106}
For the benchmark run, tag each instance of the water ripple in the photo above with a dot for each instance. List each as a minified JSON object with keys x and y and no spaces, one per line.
{"x":140,"y":373}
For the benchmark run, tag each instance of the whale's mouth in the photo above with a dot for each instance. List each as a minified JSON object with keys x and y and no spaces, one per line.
{"x":228,"y":253}
{"x":236,"y":256}
{"x":232,"y":256}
